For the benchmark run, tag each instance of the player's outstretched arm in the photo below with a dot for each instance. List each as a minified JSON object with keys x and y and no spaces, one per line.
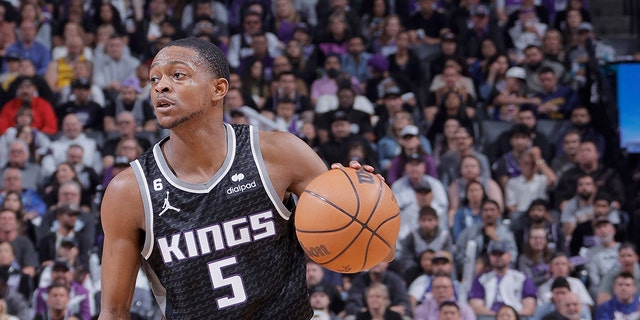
{"x":122,"y":220}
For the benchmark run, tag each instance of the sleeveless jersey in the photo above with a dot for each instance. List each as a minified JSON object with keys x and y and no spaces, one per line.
{"x":225,"y":249}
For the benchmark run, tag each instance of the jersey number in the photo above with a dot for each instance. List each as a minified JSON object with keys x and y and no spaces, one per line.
{"x":219,"y":281}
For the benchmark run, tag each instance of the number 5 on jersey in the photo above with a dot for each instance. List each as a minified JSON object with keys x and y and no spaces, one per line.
{"x":219,"y":281}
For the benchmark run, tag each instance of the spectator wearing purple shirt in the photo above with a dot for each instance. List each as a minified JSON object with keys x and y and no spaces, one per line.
{"x":502,"y":285}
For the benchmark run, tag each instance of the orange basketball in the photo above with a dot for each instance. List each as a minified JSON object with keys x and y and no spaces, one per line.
{"x":347,"y":220}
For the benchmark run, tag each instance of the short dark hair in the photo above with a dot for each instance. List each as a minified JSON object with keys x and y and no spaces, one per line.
{"x":58,"y":285}
{"x":286,"y":73}
{"x":604,"y":196}
{"x":628,"y":245}
{"x":546,"y":69}
{"x":449,"y":303}
{"x":491,"y":201}
{"x":625,"y":275}
{"x":538,"y":202}
{"x":215,"y":60}
{"x":428,"y":211}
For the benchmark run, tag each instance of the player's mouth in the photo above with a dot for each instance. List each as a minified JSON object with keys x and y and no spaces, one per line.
{"x":163,"y":103}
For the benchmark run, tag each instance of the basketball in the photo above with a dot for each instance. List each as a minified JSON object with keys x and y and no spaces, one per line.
{"x":347,"y":220}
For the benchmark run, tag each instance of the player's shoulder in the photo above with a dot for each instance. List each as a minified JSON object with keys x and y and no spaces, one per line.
{"x":123,"y":192}
{"x":277,"y":143}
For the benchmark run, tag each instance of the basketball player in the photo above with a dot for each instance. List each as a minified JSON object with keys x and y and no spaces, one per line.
{"x":204,"y":209}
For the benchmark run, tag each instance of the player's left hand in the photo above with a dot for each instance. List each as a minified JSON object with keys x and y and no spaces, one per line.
{"x":357,"y":165}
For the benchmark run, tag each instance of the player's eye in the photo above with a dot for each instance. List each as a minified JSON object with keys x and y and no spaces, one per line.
{"x":154,"y":79}
{"x":178,"y":75}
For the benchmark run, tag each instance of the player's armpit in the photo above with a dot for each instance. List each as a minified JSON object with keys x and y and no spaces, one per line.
{"x":122,"y":220}
{"x":291,"y":163}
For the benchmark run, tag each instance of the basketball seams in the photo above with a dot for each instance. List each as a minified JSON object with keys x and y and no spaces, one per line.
{"x":318,"y":196}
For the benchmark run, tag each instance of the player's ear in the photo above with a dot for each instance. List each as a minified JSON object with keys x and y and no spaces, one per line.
{"x":219,"y":88}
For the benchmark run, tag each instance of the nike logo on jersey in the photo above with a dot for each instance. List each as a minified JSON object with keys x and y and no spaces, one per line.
{"x":167,"y":206}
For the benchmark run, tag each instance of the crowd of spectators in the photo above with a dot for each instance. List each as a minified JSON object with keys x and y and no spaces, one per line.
{"x":480,"y":115}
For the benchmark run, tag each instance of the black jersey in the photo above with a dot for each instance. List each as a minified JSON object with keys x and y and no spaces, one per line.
{"x":225,"y":249}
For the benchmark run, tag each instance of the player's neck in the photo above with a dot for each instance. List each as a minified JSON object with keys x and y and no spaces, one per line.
{"x":197,"y":155}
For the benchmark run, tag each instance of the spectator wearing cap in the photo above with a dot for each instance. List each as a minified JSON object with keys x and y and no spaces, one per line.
{"x":442,"y":290}
{"x":441,"y":265}
{"x":583,"y":235}
{"x":534,"y":60}
{"x":409,"y":187}
{"x":320,"y":300}
{"x":625,"y":302}
{"x":604,"y":256}
{"x":389,"y":132}
{"x":563,"y":305}
{"x":556,"y":100}
{"x":240,"y":43}
{"x":561,"y":267}
{"x":44,"y":117}
{"x":362,"y":284}
{"x":116,"y":66}
{"x":480,"y":27}
{"x":31,"y":49}
{"x":411,"y":142}
{"x":71,"y":134}
{"x":62,"y":272}
{"x":506,"y":103}
{"x":502,"y":285}
{"x":428,"y":235}
{"x":88,"y":112}
{"x":360,"y":121}
{"x":578,"y":55}
{"x":491,"y":229}
{"x":128,"y":100}
{"x":341,"y":138}
{"x":627,"y":262}
{"x":426,"y":23}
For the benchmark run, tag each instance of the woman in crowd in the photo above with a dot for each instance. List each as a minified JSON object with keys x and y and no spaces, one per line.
{"x":386,"y":44}
{"x":452,"y":106}
{"x":535,"y":258}
{"x":469,"y":213}
{"x":405,"y":63}
{"x":470,"y":170}
{"x":493,"y":77}
{"x":446,"y":141}
{"x":372,"y":20}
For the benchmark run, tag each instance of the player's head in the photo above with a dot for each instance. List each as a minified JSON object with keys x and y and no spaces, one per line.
{"x":213,"y":58}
